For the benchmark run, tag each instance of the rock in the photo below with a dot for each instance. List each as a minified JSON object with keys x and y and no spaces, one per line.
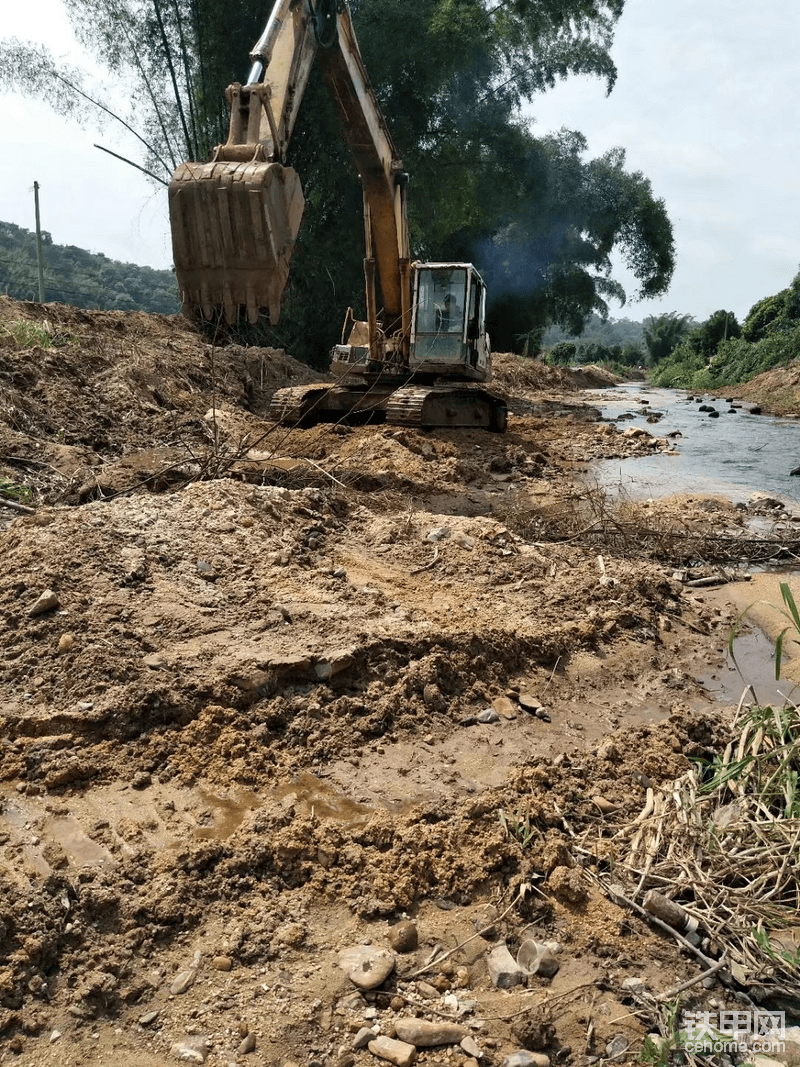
{"x":366,"y":966}
{"x":431,"y":693}
{"x":336,"y":663}
{"x":423,"y":1034}
{"x":54,"y":1036}
{"x":248,"y":1045}
{"x":503,"y":968}
{"x":425,"y":989}
{"x":503,"y":706}
{"x":192,"y":1049}
{"x":605,"y":806}
{"x":363,"y":1037}
{"x":471,"y":1047}
{"x":48,"y":601}
{"x":526,"y":1059}
{"x":441,"y":533}
{"x":485,"y":922}
{"x":155,"y":661}
{"x":403,"y":936}
{"x":634,"y":986}
{"x":67,"y":641}
{"x":465,"y":541}
{"x":529,"y":702}
{"x":396,"y":1052}
{"x":488,"y":716}
{"x":617,"y":1046}
{"x":147,"y":1018}
{"x":222,"y":963}
{"x":537,"y":959}
{"x":183,"y":981}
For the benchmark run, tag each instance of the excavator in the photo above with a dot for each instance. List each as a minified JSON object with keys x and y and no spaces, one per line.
{"x":421,"y":355}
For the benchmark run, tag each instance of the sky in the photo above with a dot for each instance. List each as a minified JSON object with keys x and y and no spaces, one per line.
{"x":705,"y":105}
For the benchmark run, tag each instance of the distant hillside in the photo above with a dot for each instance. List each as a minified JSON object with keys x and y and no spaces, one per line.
{"x":85,"y":279}
{"x":622,"y":332}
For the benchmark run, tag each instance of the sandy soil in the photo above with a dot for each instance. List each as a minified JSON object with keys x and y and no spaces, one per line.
{"x":243,"y":710}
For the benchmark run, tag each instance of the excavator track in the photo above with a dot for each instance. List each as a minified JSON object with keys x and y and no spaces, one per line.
{"x":295,"y":405}
{"x":456,"y":406}
{"x":306,"y":405}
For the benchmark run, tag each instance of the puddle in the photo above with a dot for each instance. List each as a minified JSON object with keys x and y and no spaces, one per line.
{"x":317,"y":796}
{"x":80,"y":849}
{"x":755,"y":656}
{"x":228,"y":813}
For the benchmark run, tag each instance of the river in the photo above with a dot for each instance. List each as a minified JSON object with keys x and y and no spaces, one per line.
{"x":733,"y":455}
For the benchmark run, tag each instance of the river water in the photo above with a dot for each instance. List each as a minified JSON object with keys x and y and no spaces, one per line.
{"x":732,"y":456}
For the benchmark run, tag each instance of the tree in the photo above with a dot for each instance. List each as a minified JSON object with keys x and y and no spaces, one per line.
{"x":662,"y":333}
{"x":451,"y":75}
{"x":774,"y":313}
{"x":720,"y":326}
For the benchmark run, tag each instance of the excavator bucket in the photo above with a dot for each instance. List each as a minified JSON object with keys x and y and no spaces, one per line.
{"x":234,"y":227}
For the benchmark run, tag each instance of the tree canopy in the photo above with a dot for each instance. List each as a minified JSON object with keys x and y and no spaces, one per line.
{"x":537,"y":216}
{"x":662,"y":333}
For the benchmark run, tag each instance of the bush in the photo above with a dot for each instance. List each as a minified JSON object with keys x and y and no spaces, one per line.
{"x":561,"y":354}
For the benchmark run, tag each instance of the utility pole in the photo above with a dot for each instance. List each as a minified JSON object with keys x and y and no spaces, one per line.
{"x":39,"y":253}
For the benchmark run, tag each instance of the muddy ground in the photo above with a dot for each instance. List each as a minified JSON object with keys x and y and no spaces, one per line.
{"x":244,"y":688}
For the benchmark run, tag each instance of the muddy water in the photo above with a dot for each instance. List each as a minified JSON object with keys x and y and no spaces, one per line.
{"x":733,"y":455}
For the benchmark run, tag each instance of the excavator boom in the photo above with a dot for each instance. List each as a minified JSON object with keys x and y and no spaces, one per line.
{"x":235,"y":219}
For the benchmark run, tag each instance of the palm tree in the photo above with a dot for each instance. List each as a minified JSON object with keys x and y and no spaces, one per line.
{"x":663,"y":333}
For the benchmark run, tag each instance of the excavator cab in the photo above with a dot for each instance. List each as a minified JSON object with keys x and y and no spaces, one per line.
{"x":448,"y":334}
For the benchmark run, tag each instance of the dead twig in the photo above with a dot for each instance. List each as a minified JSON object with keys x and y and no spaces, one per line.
{"x":427,"y":567}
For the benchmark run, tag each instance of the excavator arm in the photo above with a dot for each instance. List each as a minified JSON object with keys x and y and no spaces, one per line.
{"x":235,"y":219}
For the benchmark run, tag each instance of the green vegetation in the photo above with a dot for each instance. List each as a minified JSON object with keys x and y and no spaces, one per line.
{"x":662,"y":333}
{"x":615,"y":357}
{"x":518,"y":826}
{"x":609,"y":332}
{"x":720,"y":352}
{"x":26,"y":334}
{"x":539,"y":218}
{"x":14,"y":491}
{"x":85,"y":279}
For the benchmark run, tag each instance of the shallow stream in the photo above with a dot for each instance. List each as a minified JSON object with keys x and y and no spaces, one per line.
{"x":733,"y":455}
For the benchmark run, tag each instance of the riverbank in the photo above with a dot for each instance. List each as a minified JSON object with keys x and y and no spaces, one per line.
{"x":272,"y":696}
{"x":776,"y":391}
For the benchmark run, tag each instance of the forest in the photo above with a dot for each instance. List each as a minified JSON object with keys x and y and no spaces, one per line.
{"x":85,"y":279}
{"x":721,"y":351}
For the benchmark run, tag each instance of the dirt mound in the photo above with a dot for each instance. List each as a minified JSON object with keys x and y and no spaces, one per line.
{"x":267,"y":692}
{"x":776,"y":391}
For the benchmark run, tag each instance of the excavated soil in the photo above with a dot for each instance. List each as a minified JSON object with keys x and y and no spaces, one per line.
{"x":243,"y":692}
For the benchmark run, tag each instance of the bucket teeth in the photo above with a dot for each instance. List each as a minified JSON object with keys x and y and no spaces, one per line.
{"x":234,"y":227}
